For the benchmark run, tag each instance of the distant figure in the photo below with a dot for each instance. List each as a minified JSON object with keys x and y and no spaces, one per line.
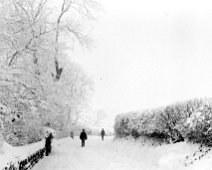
{"x":72,"y":134}
{"x":83,"y":137}
{"x":102,"y":133}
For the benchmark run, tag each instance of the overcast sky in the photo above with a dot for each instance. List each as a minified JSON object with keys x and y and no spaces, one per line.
{"x":149,"y":54}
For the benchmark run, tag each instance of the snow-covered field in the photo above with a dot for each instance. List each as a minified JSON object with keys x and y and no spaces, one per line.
{"x":120,"y":155}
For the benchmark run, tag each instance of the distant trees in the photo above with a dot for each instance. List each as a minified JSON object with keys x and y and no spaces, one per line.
{"x":38,"y":82}
{"x":71,"y":94}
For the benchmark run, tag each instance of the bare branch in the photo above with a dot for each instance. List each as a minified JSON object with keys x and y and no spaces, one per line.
{"x":80,"y":37}
{"x":41,"y":5}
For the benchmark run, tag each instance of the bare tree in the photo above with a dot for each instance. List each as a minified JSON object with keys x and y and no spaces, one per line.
{"x":29,"y":29}
{"x":74,"y":89}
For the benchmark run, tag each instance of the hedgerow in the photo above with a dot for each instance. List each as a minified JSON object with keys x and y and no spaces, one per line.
{"x":190,"y":120}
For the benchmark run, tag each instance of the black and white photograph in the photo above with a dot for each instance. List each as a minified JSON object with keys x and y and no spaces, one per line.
{"x":105,"y":85}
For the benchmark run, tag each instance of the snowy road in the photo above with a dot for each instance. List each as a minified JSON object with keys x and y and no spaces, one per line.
{"x":96,"y":155}
{"x":111,"y":155}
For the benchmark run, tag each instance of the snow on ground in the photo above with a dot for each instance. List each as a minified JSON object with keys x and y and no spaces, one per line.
{"x":109,"y":155}
{"x":203,"y":164}
{"x":119,"y":155}
{"x":14,"y":154}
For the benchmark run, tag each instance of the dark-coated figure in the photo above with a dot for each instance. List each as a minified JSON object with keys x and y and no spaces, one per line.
{"x":102,"y":133}
{"x":48,"y":144}
{"x":83,"y":137}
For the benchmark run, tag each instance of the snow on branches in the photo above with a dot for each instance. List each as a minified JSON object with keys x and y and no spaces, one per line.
{"x":190,"y":120}
{"x":38,"y":82}
{"x":32,"y":29}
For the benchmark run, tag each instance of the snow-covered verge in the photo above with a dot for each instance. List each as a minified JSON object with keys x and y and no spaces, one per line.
{"x":13,"y":155}
{"x":122,"y":154}
{"x":178,"y":156}
{"x":156,"y":157}
{"x":24,"y":156}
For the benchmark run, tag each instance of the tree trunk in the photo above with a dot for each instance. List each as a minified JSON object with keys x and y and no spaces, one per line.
{"x":68,"y":120}
{"x":1,"y":141}
{"x":59,"y":70}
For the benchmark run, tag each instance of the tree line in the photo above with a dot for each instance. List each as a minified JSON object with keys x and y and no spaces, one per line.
{"x":38,"y":82}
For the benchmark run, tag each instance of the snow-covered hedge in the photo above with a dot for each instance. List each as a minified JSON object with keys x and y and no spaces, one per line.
{"x":27,"y":163}
{"x":25,"y":157}
{"x":190,"y":120}
{"x":21,"y":157}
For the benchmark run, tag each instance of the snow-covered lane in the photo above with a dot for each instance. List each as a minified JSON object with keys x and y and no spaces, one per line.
{"x":113,"y":155}
{"x":96,"y":155}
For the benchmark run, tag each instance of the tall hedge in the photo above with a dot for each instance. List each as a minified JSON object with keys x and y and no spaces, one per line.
{"x":190,"y":120}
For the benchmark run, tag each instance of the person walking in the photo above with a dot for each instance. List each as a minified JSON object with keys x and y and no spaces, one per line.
{"x":48,"y":144}
{"x":72,"y":134}
{"x":83,"y":137}
{"x":102,"y":133}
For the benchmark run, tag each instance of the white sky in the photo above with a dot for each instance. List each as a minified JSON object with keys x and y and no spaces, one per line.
{"x":150,"y":53}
